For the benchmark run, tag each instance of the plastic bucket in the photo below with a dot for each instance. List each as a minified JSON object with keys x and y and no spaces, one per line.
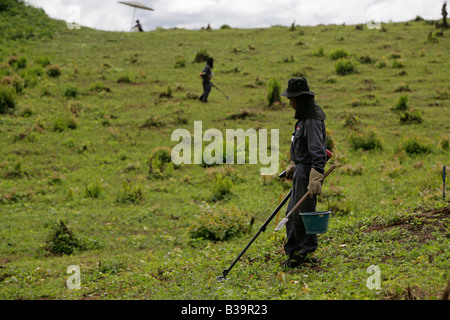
{"x":315,"y":222}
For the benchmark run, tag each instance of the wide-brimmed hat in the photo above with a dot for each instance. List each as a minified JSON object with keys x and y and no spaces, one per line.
{"x":297,"y":87}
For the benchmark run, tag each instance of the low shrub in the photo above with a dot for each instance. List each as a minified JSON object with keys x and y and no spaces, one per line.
{"x":344,"y":67}
{"x":415,"y":146}
{"x":221,"y":188}
{"x":53,"y":71}
{"x":124,"y":79}
{"x":367,"y":140}
{"x":338,"y":54}
{"x":218,"y":225}
{"x":93,"y":190}
{"x":62,"y":241}
{"x":402,"y":104}
{"x":201,"y":56}
{"x":161,"y":162}
{"x":411,"y":116}
{"x":7,"y":100}
{"x":180,"y":62}
{"x":130,"y":194}
{"x":274,"y":91}
{"x":71,"y":92}
{"x":319,"y":52}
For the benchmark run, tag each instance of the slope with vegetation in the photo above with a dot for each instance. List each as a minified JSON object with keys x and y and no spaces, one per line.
{"x":86,"y":118}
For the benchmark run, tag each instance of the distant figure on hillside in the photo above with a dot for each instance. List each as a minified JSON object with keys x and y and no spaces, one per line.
{"x":137,"y":27}
{"x":206,"y":75}
{"x":444,"y":15}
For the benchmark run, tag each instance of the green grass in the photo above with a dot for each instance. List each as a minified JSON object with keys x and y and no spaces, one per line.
{"x":77,"y":147}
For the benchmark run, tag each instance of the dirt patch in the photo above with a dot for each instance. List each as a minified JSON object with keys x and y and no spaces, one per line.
{"x":421,"y":223}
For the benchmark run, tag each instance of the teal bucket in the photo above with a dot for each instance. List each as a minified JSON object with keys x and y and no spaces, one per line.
{"x":315,"y":222}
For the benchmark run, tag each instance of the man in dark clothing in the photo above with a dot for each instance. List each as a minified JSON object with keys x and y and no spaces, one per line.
{"x":206,"y":75}
{"x":138,"y":26}
{"x":308,"y":158}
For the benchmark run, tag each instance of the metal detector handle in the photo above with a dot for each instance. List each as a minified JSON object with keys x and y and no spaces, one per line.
{"x":299,"y":203}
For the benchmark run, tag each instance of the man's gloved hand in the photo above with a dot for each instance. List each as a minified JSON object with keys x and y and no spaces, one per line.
{"x":315,"y":182}
{"x":290,"y":170}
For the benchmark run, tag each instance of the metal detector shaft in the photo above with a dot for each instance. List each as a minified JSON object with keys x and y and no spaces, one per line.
{"x":220,"y":91}
{"x":262,"y":229}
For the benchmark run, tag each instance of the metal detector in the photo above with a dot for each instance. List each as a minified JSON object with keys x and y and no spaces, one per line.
{"x":262,"y":229}
{"x":220,"y":91}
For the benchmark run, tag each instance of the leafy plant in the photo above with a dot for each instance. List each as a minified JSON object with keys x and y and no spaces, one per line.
{"x":338,"y":54}
{"x":411,"y":116}
{"x":366,"y":139}
{"x":222,"y":187}
{"x":344,"y":67}
{"x":274,"y":91}
{"x":218,"y":225}
{"x":415,"y":146}
{"x":62,"y":240}
{"x":7,"y":100}
{"x":201,"y":56}
{"x":402,"y":103}
{"x":53,"y":71}
{"x":93,"y":189}
{"x":130,"y":194}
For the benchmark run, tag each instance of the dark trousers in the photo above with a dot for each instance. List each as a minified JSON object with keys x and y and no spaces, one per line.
{"x":297,"y":239}
{"x":206,"y":90}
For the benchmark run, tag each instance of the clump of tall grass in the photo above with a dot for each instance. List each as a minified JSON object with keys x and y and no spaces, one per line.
{"x":130,"y":194}
{"x":367,"y":139}
{"x":416,"y":146}
{"x":273,"y":92}
{"x":222,"y":187}
{"x":218,"y":225}
{"x":7,"y":100}
{"x":344,"y":67}
{"x":53,"y":71}
{"x":62,"y":241}
{"x":201,"y":56}
{"x":338,"y":54}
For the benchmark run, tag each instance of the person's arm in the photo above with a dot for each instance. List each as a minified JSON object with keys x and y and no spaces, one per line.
{"x":316,"y":140}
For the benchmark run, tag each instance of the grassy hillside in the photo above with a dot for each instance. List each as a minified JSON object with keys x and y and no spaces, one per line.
{"x":86,"y":119}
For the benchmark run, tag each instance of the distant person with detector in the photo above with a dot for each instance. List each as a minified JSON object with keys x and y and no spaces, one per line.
{"x":137,"y":27}
{"x":206,"y":75}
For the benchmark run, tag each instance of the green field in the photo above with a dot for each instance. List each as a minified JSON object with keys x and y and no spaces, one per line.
{"x":86,"y":119}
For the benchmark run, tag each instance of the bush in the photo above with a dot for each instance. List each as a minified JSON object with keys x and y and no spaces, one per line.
{"x":415,"y":145}
{"x":412,"y":116}
{"x":216,"y":225}
{"x":274,"y":90}
{"x":221,"y":187}
{"x":43,"y":61}
{"x":338,"y":54}
{"x":130,"y":194}
{"x":201,"y":56}
{"x":319,"y":52}
{"x":53,"y":71}
{"x":366,"y":140}
{"x":62,"y":241}
{"x":402,"y":103}
{"x":344,"y":67}
{"x":93,"y":190}
{"x":7,"y":100}
{"x":180,"y":62}
{"x":71,"y":92}
{"x":21,"y":63}
{"x":124,"y":79}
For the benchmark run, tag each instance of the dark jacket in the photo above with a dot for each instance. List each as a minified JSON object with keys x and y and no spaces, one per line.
{"x":309,"y":140}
